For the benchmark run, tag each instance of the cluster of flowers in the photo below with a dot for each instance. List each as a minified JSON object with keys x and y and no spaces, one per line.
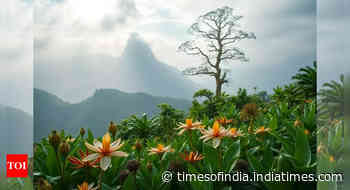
{"x":217,"y":132}
{"x":102,"y":152}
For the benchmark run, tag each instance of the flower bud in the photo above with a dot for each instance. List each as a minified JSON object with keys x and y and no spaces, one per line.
{"x":54,"y":139}
{"x":112,"y":129}
{"x":320,"y":148}
{"x":82,"y":132}
{"x":64,"y":148}
{"x":133,"y":165}
{"x":297,"y":123}
{"x":44,"y":185}
{"x":149,"y":166}
{"x":137,"y":146}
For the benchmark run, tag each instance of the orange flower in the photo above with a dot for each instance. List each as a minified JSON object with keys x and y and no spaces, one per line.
{"x":224,"y":121}
{"x":216,"y":134}
{"x":79,"y":163}
{"x":104,"y":151}
{"x":307,"y":132}
{"x":86,"y":186}
{"x":297,"y":123}
{"x":160,"y":150}
{"x":233,"y":133}
{"x":262,"y":130}
{"x":331,"y":159}
{"x":188,"y":126}
{"x":192,"y":157}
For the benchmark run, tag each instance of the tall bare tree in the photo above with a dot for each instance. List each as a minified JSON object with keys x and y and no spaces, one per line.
{"x":216,"y":36}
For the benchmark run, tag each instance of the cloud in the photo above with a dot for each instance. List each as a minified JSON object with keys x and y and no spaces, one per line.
{"x":68,"y":36}
{"x":16,"y":54}
{"x":332,"y":40}
{"x":124,"y":11}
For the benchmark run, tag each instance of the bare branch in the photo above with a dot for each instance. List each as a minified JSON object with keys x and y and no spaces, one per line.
{"x":189,"y":48}
{"x":201,"y":70}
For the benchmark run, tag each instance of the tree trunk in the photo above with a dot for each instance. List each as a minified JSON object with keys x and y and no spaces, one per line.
{"x":218,"y":87}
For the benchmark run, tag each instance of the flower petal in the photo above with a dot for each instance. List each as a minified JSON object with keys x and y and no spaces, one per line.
{"x":119,"y":154}
{"x":105,"y":163}
{"x":97,"y":143}
{"x":91,"y":157}
{"x":91,"y":147}
{"x":115,"y":143}
{"x":216,"y":142}
{"x":116,"y":147}
{"x":181,"y":132}
{"x":91,"y":186}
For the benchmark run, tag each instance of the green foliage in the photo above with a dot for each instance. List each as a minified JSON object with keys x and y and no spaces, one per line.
{"x":332,"y":99}
{"x":273,"y":133}
{"x":331,"y":147}
{"x":303,"y":89}
{"x":15,"y":183}
{"x":143,"y":127}
{"x":286,"y":147}
{"x":207,"y":105}
{"x":306,"y":80}
{"x":288,"y":93}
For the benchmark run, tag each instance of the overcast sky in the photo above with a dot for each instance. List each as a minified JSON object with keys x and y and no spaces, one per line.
{"x":16,"y":54}
{"x":285,"y":31}
{"x":333,"y":39}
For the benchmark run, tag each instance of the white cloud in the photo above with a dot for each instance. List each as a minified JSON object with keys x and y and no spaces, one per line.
{"x":16,"y":54}
{"x":285,"y":30}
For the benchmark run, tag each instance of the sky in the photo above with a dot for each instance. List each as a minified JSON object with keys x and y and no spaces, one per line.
{"x":285,"y":31}
{"x":16,"y":54}
{"x":66,"y":29}
{"x":333,"y":41}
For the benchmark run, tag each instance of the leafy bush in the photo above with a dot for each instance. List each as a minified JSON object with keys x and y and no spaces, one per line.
{"x":276,"y":138}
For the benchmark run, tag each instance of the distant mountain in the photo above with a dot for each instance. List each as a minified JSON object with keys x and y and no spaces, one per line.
{"x":52,"y":113}
{"x":76,"y":76}
{"x":16,"y":134}
{"x":145,"y":73}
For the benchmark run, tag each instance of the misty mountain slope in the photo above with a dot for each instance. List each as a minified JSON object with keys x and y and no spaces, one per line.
{"x":51,"y":113}
{"x":16,"y":128}
{"x":75,"y":77}
{"x":147,"y":74}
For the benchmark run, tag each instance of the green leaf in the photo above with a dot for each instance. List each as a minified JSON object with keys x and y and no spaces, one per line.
{"x":231,"y":156}
{"x":52,"y":162}
{"x":129,"y":183}
{"x":255,"y":164}
{"x":212,"y":158}
{"x":274,"y":123}
{"x":90,"y":138}
{"x":302,"y":148}
{"x":268,"y":157}
{"x":106,"y":187}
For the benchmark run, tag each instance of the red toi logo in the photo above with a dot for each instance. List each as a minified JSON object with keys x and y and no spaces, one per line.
{"x":17,"y":165}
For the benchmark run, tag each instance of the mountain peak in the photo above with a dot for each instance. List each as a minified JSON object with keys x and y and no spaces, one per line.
{"x":96,"y":111}
{"x":136,"y":46}
{"x":150,"y":75}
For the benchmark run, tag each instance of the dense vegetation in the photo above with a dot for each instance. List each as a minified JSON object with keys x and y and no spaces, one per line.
{"x":242,"y":132}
